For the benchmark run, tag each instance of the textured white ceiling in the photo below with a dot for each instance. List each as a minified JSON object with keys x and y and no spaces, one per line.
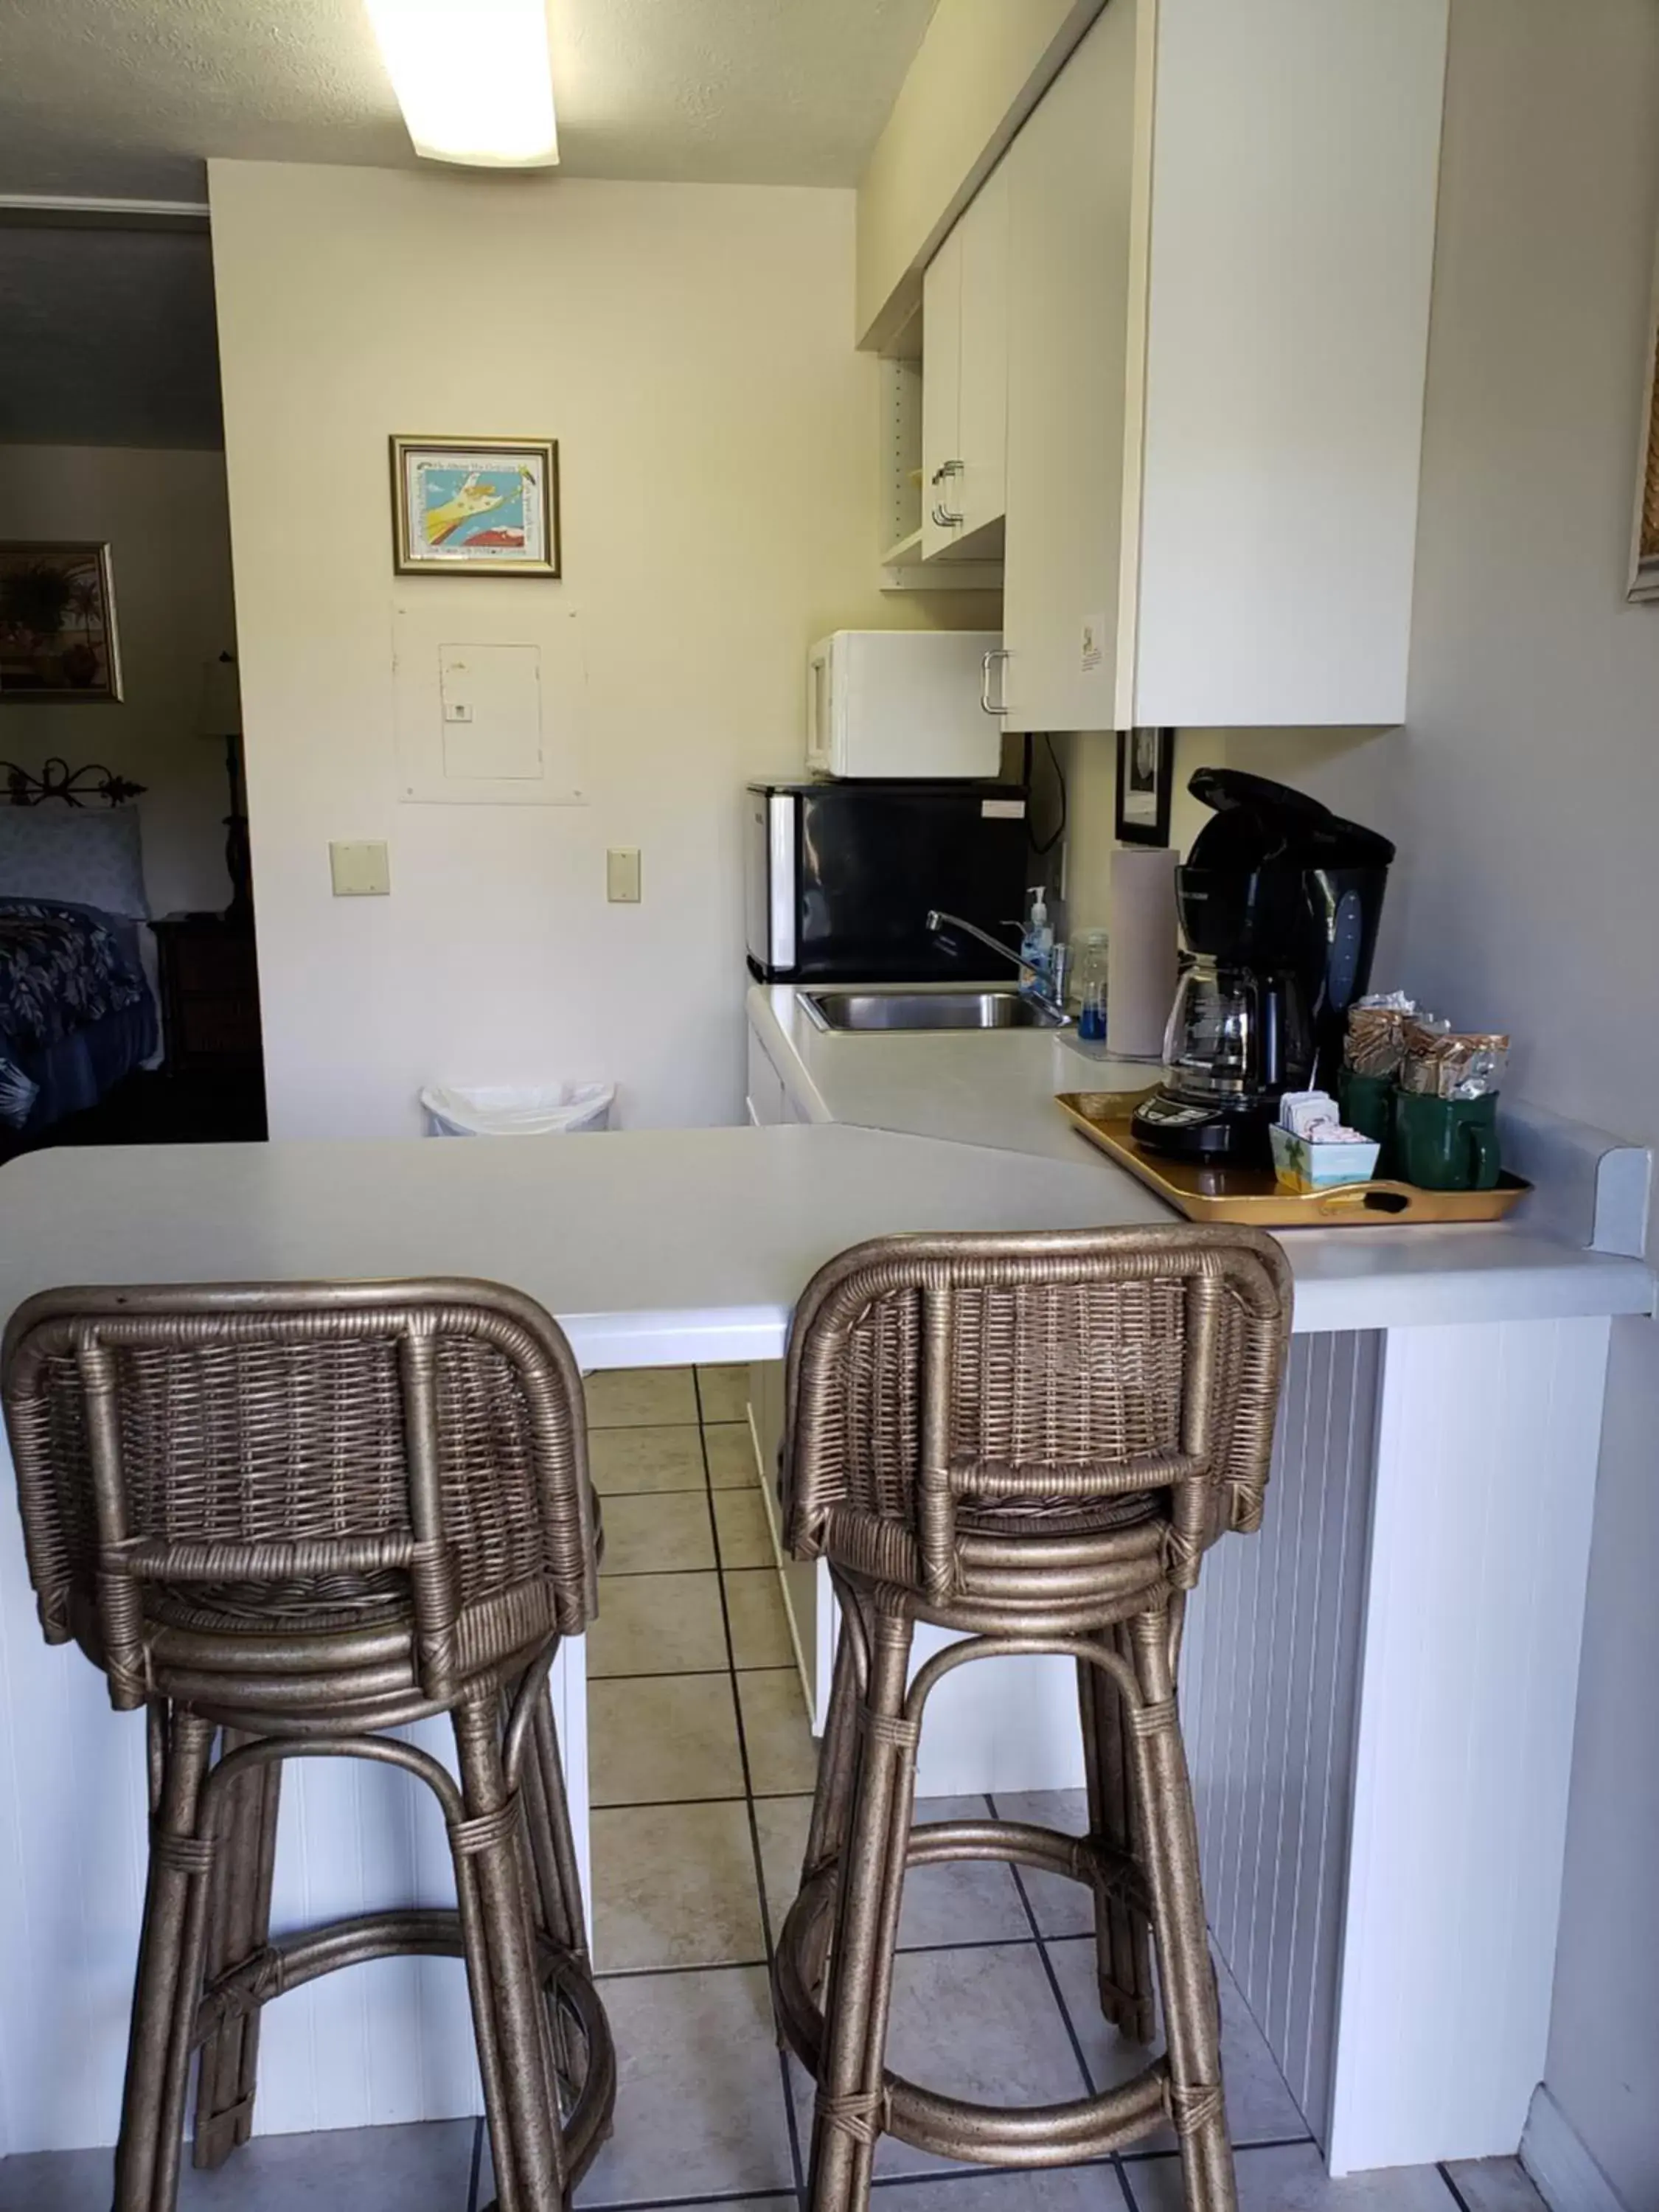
{"x":106,"y":337}
{"x":128,"y":96}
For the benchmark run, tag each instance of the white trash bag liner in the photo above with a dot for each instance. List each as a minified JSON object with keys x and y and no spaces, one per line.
{"x":517,"y":1109}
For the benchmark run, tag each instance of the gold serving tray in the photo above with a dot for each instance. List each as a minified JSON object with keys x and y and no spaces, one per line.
{"x":1253,"y":1194}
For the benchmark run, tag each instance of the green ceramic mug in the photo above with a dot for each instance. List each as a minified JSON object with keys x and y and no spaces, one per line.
{"x":1366,"y":1103}
{"x":1446,"y":1144}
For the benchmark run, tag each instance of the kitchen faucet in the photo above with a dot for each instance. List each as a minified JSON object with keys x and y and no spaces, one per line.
{"x":1030,"y":987}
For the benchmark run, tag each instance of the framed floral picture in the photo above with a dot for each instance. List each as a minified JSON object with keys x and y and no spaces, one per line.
{"x":57,"y":623}
{"x":474,"y":507}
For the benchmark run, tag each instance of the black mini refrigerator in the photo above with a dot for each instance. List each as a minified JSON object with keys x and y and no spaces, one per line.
{"x":840,"y":877}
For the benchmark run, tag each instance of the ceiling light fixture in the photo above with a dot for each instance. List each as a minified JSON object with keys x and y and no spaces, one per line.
{"x":472,"y":77}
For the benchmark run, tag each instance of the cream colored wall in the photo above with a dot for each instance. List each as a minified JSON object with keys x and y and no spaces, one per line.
{"x":163,"y":516}
{"x":980,"y":71}
{"x":1524,"y":791}
{"x":690,"y":348}
{"x":1089,"y":760}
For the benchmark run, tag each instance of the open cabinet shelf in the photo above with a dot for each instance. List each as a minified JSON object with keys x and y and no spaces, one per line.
{"x":903,"y":569}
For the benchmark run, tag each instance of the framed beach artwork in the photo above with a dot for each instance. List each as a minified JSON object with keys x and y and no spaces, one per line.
{"x":57,"y":623}
{"x":1145,"y":777}
{"x":474,"y":507}
{"x":1645,"y":544}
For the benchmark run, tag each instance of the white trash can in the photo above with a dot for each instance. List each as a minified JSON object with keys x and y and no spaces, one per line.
{"x":517,"y":1109}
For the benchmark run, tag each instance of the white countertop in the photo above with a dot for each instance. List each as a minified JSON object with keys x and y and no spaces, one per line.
{"x":996,"y":1089}
{"x":656,"y":1246}
{"x":705,"y":1236}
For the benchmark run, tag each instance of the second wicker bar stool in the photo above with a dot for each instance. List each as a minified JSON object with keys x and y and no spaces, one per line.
{"x":287,"y":1518}
{"x":1031,"y":1440}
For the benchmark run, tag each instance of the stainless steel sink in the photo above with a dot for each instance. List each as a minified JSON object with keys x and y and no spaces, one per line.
{"x":951,"y":1007}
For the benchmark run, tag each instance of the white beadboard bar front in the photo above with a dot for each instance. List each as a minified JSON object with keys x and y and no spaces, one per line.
{"x":1269,"y":1685}
{"x":1379,"y":1686}
{"x":1487,"y":1443}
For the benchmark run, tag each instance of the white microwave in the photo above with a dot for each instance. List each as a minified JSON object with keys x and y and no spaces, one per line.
{"x":902,"y":702}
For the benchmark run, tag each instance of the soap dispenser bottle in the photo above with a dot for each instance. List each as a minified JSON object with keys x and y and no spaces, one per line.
{"x":1037,"y":947}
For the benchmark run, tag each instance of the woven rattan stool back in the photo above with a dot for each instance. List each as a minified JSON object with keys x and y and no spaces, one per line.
{"x":304,"y":1458}
{"x":1112,"y":1390}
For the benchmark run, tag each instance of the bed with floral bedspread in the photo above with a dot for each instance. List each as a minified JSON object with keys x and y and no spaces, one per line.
{"x":76,"y":1011}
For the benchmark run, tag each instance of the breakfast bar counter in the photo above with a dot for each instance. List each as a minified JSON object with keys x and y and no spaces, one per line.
{"x":1382,"y":1858}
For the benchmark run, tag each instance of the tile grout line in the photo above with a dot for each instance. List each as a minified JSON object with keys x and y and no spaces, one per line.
{"x":478,"y":2126}
{"x":1073,"y":2036}
{"x":1126,"y":2184}
{"x":904,"y":1951}
{"x":692,"y":2204}
{"x":1049,"y":1967}
{"x":960,"y":2173}
{"x":676,"y":1674}
{"x":1457,"y":2196}
{"x":733,"y":1797}
{"x":784,"y":2084}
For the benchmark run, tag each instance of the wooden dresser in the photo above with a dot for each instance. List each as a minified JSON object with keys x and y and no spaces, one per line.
{"x":210,"y":978}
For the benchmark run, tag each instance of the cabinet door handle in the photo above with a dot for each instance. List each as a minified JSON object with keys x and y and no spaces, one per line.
{"x":945,"y":516}
{"x":999,"y":654}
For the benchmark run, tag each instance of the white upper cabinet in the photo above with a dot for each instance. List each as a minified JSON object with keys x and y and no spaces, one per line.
{"x":941,"y":395}
{"x":1071,"y":180}
{"x":964,"y":386}
{"x":1217,"y":240}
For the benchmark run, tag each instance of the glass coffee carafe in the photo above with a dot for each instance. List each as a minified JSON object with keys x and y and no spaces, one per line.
{"x":1236,"y":1035}
{"x":1237,"y":1038}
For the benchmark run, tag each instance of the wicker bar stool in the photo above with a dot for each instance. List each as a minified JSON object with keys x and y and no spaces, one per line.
{"x":291,"y":1518}
{"x":1031,"y":1440}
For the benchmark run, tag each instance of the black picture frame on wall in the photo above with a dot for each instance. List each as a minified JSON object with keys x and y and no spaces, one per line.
{"x":1146,"y":775}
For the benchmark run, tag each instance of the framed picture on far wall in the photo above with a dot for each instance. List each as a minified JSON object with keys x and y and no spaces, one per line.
{"x":57,"y":623}
{"x":1146,"y":769}
{"x":474,"y":507}
{"x":1644,"y":545}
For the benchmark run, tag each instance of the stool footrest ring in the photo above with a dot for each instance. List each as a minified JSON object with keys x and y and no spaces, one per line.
{"x":1032,"y":2134}
{"x":428,"y":1931}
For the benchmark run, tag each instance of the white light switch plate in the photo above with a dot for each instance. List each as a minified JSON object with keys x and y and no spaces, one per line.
{"x":360,"y":871}
{"x":622,"y":875}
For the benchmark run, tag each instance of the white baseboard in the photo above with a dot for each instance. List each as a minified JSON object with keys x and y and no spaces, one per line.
{"x":1563,"y":2172}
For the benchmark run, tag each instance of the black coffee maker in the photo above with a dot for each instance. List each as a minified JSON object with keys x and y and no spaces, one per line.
{"x":1279,"y":903}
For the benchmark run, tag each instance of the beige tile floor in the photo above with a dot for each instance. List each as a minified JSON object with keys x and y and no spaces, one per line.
{"x":701,"y":1769}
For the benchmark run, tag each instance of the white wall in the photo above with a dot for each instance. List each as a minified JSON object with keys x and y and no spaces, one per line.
{"x":1088,"y":761}
{"x":163,"y":515}
{"x":1525,"y":793}
{"x":689,"y":347}
{"x":979,"y":71}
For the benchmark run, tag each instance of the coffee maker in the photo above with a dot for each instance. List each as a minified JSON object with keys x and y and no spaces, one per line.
{"x":1279,"y":904}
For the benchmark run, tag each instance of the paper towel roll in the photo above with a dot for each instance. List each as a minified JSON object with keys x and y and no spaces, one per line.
{"x":1140,"y":951}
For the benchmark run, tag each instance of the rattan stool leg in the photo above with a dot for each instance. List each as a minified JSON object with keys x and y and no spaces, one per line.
{"x":558,"y":1878}
{"x":239,"y":1925}
{"x":1123,"y":1939}
{"x":147,"y":2154}
{"x":832,"y":1794}
{"x":520,"y":2085}
{"x":848,"y":2120}
{"x":1191,"y":2023}
{"x":552,"y":1875}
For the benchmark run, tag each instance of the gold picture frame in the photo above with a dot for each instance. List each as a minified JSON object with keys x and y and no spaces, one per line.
{"x":474,"y":507}
{"x":57,"y":636}
{"x":1645,"y":532}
